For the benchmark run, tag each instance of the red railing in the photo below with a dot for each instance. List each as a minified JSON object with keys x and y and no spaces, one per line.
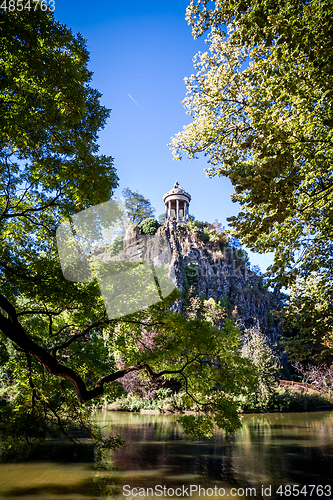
{"x":299,"y":385}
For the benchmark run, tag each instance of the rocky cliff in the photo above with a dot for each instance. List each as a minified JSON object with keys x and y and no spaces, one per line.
{"x":207,"y":266}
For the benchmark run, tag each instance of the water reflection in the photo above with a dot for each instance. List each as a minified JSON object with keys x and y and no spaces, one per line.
{"x":269,"y":450}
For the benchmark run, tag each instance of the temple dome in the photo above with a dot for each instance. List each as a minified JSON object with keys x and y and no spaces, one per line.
{"x":177,"y":189}
{"x":177,"y":202}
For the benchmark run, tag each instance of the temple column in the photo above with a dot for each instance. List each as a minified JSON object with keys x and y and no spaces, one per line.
{"x":169,"y":209}
{"x":177,"y":210}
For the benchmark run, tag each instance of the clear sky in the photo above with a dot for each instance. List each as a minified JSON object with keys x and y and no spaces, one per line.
{"x":140,"y":52}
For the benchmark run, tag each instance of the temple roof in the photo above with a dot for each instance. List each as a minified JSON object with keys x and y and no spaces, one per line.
{"x":177,"y":189}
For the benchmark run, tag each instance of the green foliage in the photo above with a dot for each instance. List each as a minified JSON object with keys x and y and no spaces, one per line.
{"x":262,"y":108}
{"x":137,"y":206}
{"x":190,"y":281}
{"x":224,"y":302}
{"x":208,"y":232}
{"x":35,"y":405}
{"x":50,"y":168}
{"x":197,"y":228}
{"x":161,"y":219}
{"x":214,"y":312}
{"x":116,"y":246}
{"x":50,"y":118}
{"x":289,"y":399}
{"x":196,"y":354}
{"x":190,"y":274}
{"x":307,"y":320}
{"x":270,"y":319}
{"x":280,"y":399}
{"x":195,"y":224}
{"x":149,"y":226}
{"x":165,"y":401}
{"x":193,"y":423}
{"x":49,"y":162}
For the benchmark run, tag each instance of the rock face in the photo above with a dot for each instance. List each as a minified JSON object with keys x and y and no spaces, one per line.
{"x":213,"y":269}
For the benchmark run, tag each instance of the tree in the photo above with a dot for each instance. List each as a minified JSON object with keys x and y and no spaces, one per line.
{"x":50,"y":169}
{"x":58,"y":349}
{"x":149,"y":226}
{"x":319,"y":376}
{"x":161,"y":219}
{"x":261,"y":103}
{"x":204,"y":359}
{"x":308,"y":321}
{"x":138,"y":207}
{"x":256,"y":348}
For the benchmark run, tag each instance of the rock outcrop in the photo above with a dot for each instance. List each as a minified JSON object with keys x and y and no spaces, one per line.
{"x":211,"y":268}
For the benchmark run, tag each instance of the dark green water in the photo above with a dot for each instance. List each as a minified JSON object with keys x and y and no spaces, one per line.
{"x":271,"y":450}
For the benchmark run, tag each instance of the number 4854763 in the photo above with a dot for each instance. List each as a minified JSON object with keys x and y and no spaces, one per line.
{"x":308,"y":490}
{"x":19,"y":5}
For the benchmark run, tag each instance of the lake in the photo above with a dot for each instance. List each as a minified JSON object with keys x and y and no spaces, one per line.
{"x":267,"y":458}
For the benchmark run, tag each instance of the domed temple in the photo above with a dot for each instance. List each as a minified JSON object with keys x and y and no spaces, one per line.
{"x":177,"y":203}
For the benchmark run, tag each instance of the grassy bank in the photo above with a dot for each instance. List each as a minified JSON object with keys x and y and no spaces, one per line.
{"x":292,"y":399}
{"x":282,"y":399}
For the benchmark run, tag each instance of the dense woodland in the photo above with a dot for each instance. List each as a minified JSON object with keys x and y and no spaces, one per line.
{"x":261,"y":108}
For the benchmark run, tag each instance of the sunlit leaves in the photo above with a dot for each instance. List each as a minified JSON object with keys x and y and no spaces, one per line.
{"x":261,"y":103}
{"x":49,"y":169}
{"x":204,"y":359}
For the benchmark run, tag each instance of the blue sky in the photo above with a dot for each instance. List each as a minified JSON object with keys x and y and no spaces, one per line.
{"x":140,"y":53}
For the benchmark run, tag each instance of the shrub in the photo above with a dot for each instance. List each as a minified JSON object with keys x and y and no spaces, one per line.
{"x":290,"y":399}
{"x":165,"y":400}
{"x":116,"y":246}
{"x":208,"y":232}
{"x":149,"y":226}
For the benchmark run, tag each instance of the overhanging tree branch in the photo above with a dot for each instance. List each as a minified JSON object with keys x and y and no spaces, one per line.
{"x":15,"y":332}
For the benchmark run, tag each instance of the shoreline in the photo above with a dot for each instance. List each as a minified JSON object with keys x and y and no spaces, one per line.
{"x":245,"y":412}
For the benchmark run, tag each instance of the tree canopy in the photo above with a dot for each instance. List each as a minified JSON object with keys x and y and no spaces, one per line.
{"x":50,"y":169}
{"x":261,"y":107}
{"x":149,"y":226}
{"x":137,"y":206}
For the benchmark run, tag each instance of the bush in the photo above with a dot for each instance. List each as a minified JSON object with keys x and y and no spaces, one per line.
{"x":289,"y":399}
{"x":149,"y":226}
{"x":165,"y":400}
{"x":208,"y":232}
